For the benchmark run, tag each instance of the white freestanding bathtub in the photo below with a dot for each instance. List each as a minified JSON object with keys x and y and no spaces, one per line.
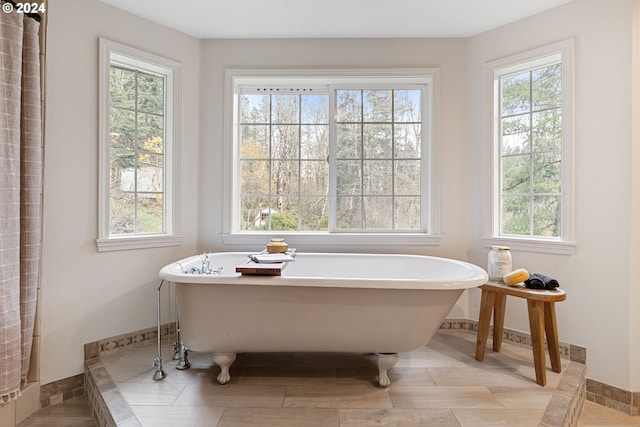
{"x":364,"y":303}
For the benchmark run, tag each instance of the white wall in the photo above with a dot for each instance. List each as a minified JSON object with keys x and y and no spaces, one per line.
{"x":598,"y":311}
{"x":88,"y":295}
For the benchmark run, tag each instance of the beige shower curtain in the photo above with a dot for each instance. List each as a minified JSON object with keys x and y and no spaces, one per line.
{"x":20,"y":195}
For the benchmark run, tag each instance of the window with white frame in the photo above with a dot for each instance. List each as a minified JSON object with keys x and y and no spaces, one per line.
{"x":327,"y":154}
{"x":139,"y":95}
{"x":533,"y":148}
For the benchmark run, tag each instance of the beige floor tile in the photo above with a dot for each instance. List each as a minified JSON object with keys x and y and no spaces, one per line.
{"x":436,"y":355}
{"x":499,"y":417}
{"x":335,"y":360}
{"x":397,"y":418}
{"x":597,"y":415}
{"x":338,"y":396}
{"x":398,"y":376}
{"x":158,"y":393}
{"x":528,"y":397}
{"x":178,"y":416}
{"x":288,"y":375}
{"x":279,"y":417}
{"x":72,"y":413}
{"x":231,"y":395}
{"x":481,"y":376}
{"x":442,"y":397}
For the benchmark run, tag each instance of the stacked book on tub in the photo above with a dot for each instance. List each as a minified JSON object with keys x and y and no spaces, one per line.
{"x":269,"y":262}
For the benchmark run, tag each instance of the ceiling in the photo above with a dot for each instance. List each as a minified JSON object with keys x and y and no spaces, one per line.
{"x":334,"y":18}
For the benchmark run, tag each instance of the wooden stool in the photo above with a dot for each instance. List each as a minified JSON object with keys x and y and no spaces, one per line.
{"x":542,"y":319}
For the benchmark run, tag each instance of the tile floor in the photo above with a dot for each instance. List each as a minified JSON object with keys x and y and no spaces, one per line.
{"x":439,"y":385}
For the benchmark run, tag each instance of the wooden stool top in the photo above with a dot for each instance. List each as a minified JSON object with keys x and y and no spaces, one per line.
{"x":521,"y":291}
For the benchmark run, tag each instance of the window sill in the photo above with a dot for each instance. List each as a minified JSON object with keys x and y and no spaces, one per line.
{"x":334,"y":239}
{"x":532,"y":245}
{"x":138,"y":242}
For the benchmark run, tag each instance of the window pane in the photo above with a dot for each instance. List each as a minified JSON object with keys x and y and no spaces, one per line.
{"x":546,"y":87}
{"x":149,"y":213}
{"x":348,"y":177}
{"x":314,"y":214}
{"x":349,"y":141}
{"x":378,"y":177}
{"x":255,"y":108}
{"x":122,"y":176}
{"x":407,"y":177}
{"x":285,"y":142}
{"x":122,"y":88}
{"x":516,"y":215}
{"x":254,"y":142}
{"x":407,"y":140}
{"x":377,"y":105}
{"x":285,"y":108}
{"x":150,"y":93}
{"x":314,"y":143}
{"x":546,"y":216}
{"x":406,"y":106}
{"x":515,"y":135}
{"x":547,"y":130}
{"x":254,"y":212}
{"x":377,"y":141}
{"x":349,"y":213}
{"x":254,"y":177}
{"x":150,"y":132}
{"x":314,"y":178}
{"x":122,"y":214}
{"x":516,"y":174}
{"x":284,"y":177}
{"x":515,"y":93}
{"x":407,"y":213}
{"x":149,"y":173}
{"x":378,"y":212}
{"x":122,"y":128}
{"x":286,"y":218}
{"x":314,"y":109}
{"x":349,"y":106}
{"x":546,"y":172}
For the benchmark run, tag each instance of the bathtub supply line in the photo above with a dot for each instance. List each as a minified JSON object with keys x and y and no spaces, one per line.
{"x":180,"y":351}
{"x":159,"y":373}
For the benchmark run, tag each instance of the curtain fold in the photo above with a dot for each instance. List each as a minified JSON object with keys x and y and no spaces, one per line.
{"x":20,"y":196}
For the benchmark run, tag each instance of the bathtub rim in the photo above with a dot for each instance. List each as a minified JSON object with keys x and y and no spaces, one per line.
{"x":173,"y":273}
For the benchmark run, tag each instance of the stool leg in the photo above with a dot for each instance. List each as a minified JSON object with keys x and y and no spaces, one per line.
{"x":536,"y":323}
{"x":486,"y":307}
{"x":551,"y":331}
{"x":498,"y":320}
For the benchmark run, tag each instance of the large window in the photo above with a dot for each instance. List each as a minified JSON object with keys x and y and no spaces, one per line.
{"x":533,"y":146}
{"x":331,"y":155}
{"x":138,"y":149}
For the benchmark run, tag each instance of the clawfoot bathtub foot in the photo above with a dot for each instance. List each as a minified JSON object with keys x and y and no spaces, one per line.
{"x":224,"y":360}
{"x":386,"y":361}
